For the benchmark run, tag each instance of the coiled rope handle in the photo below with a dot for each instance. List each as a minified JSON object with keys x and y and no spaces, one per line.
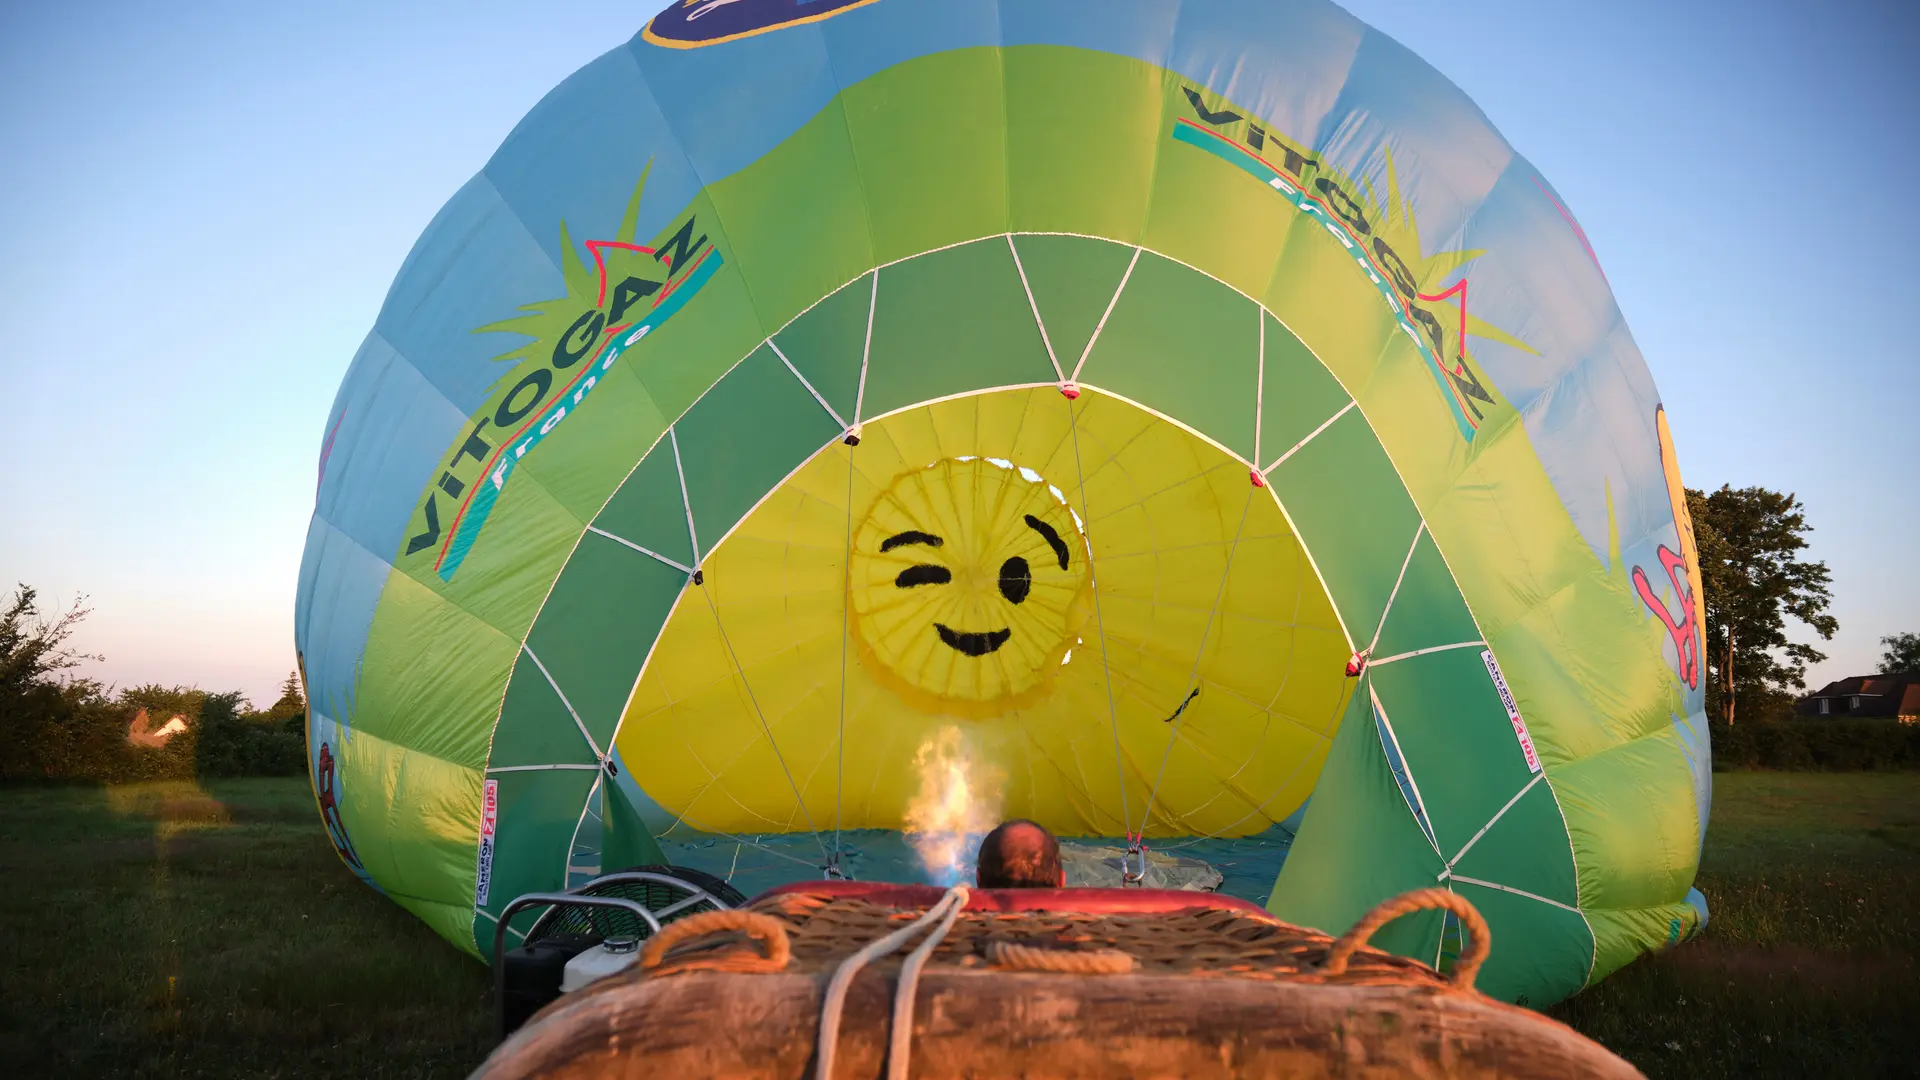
{"x":769,"y":931}
{"x":1479,"y":944}
{"x":1013,"y":956}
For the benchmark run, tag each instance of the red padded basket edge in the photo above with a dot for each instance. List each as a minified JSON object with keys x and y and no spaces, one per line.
{"x":1089,"y":901}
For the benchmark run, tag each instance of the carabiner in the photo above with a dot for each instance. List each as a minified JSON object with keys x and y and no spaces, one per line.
{"x":1136,"y":845}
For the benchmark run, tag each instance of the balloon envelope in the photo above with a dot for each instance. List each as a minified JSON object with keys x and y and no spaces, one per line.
{"x":1190,"y":422}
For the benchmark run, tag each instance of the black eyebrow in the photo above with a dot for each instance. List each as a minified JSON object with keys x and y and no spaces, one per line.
{"x":923,"y":574}
{"x":1058,"y":545}
{"x":911,"y":536}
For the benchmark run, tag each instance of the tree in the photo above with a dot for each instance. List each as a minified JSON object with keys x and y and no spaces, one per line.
{"x":1903,"y":653}
{"x":222,"y":736}
{"x":291,"y":710}
{"x":1749,"y":541}
{"x":32,"y":649}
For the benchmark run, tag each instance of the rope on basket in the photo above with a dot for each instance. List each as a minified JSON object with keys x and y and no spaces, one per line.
{"x":1471,"y":957}
{"x":769,"y":931}
{"x":943,"y":914}
{"x":1012,"y":956}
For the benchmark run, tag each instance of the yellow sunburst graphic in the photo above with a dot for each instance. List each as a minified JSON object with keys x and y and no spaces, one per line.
{"x":625,"y":279}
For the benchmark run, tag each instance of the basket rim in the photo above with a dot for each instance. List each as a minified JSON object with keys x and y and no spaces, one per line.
{"x":1089,"y":901}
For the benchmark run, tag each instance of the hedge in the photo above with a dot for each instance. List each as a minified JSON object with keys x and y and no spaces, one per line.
{"x":1833,"y":745}
{"x":76,"y":734}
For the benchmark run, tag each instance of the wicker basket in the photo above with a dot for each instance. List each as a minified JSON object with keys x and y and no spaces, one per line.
{"x":1058,"y":983}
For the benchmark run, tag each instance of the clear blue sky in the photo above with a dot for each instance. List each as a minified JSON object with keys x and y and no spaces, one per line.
{"x":202,"y":205}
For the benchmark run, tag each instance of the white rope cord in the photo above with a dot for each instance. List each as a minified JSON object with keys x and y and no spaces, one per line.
{"x":686,"y":499}
{"x":1034,"y":306}
{"x":1173,"y":734}
{"x":900,"y":1040}
{"x":846,"y":615}
{"x":1310,"y":436}
{"x":1259,"y":382}
{"x":1396,"y":657}
{"x":775,"y":346}
{"x":574,"y":847}
{"x":739,"y":841}
{"x":834,"y":1003}
{"x":1416,"y":802}
{"x":866,"y":352}
{"x":1105,"y":315}
{"x":648,"y":552}
{"x":1338,"y":707}
{"x":1100,"y":624}
{"x":562,"y":695}
{"x":1549,"y":901}
{"x":764,"y":726}
{"x":1397,"y":582}
{"x":1502,"y":812}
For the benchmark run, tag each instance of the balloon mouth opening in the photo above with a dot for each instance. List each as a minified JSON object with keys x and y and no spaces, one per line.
{"x":1007,"y":604}
{"x":1105,"y":585}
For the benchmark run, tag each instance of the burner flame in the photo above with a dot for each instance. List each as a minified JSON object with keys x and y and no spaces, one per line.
{"x":958,"y":803}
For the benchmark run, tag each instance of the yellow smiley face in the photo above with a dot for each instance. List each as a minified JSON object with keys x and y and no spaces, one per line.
{"x":969,"y":586}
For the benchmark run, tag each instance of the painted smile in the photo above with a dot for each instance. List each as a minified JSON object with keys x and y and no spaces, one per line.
{"x":973,"y":644}
{"x":1015,"y":582}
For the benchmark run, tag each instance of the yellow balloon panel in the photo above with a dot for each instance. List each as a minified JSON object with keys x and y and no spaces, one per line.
{"x":1054,"y":578}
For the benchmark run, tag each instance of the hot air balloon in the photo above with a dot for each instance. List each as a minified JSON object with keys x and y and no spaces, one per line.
{"x":1191,"y":423}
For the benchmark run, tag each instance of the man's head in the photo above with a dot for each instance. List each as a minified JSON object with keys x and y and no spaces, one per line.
{"x":1020,"y":855}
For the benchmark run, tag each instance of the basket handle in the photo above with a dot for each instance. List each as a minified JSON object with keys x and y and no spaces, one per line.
{"x":1479,"y":943}
{"x":769,"y":931}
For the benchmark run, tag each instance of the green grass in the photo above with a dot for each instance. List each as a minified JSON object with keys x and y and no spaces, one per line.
{"x":1808,"y":965}
{"x":168,"y":930}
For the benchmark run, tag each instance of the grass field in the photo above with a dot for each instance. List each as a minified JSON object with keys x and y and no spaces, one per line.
{"x":174,"y":930}
{"x":168,"y":930}
{"x":1811,"y":963}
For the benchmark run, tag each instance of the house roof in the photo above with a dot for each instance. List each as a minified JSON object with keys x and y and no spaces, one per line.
{"x":1839,"y":687}
{"x":1884,"y":694}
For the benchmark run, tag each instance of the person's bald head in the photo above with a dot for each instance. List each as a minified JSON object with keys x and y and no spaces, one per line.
{"x":1020,"y":855}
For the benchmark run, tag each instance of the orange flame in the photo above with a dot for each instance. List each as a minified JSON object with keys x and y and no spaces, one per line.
{"x":959,"y":801}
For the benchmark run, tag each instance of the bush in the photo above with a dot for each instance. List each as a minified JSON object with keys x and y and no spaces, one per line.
{"x":75,"y":733}
{"x":1836,"y":745}
{"x":229,"y":742}
{"x":53,"y":728}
